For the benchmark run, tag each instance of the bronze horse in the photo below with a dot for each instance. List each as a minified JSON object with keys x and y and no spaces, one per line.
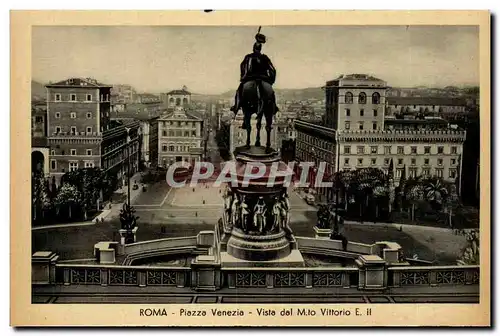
{"x":257,"y":97}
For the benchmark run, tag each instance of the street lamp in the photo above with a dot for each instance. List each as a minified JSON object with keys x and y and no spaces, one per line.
{"x":128,"y":164}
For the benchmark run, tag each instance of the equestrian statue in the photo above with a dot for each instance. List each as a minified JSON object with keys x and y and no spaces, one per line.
{"x":255,"y":93}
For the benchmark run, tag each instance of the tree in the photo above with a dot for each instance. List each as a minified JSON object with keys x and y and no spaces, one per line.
{"x":67,"y":196}
{"x":128,"y":220}
{"x":413,"y":193}
{"x":436,"y":192}
{"x":40,"y":194}
{"x":470,"y":254}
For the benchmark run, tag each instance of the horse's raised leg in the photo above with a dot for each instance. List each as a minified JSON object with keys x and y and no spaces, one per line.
{"x":259,"y":126}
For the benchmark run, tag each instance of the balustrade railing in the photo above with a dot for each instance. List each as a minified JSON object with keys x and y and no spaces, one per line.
{"x":122,"y":275}
{"x":400,"y":276}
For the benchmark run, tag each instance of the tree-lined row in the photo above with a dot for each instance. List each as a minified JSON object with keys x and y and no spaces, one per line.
{"x":79,"y":194}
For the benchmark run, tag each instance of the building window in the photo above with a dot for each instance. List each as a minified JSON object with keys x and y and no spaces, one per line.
{"x":53,"y":164}
{"x":164,"y":133}
{"x":426,"y":161}
{"x":73,"y":115}
{"x":360,"y":125}
{"x":387,"y":149}
{"x":374,"y":125}
{"x":426,"y":171}
{"x":347,"y":125}
{"x":413,"y":162}
{"x":58,"y":115}
{"x":347,"y":112}
{"x":401,"y":150}
{"x":347,"y":149}
{"x":399,"y":172}
{"x":58,"y":97}
{"x":186,"y":133}
{"x":453,"y":150}
{"x":413,"y":172}
{"x":170,"y":133}
{"x":362,"y":98}
{"x":439,"y":172}
{"x":193,"y":133}
{"x":453,"y":161}
{"x":361,"y":113}
{"x":89,"y":98}
{"x":89,"y":152}
{"x":73,"y":152}
{"x":427,"y":149}
{"x":171,"y":148}
{"x":374,"y":161}
{"x":52,"y":152}
{"x":414,"y":149}
{"x":73,"y":130}
{"x":89,"y":115}
{"x":440,"y":162}
{"x":360,"y":161}
{"x":400,"y":161}
{"x":348,"y":98}
{"x":164,"y":148}
{"x":453,"y":173}
{"x":58,"y":129}
{"x":89,"y":129}
{"x":73,"y":166}
{"x":374,"y":149}
{"x":375,"y":113}
{"x":89,"y":164}
{"x":72,"y":97}
{"x":440,"y":150}
{"x":376,"y":98}
{"x":386,"y":161}
{"x":346,"y":162}
{"x":361,"y":149}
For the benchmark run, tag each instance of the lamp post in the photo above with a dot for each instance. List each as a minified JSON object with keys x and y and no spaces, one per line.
{"x":335,"y":228}
{"x":128,"y":165}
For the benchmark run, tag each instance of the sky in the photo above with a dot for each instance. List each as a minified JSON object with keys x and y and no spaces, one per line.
{"x":206,"y":59}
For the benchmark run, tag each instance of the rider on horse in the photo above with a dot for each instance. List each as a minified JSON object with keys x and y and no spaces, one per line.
{"x":255,"y":66}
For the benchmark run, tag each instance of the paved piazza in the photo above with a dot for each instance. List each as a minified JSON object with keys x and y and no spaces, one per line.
{"x":195,"y":196}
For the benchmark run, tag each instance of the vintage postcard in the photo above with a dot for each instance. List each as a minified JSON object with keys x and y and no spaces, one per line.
{"x":238,"y":168}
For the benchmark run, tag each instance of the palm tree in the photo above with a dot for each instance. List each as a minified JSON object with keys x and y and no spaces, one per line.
{"x":436,"y":191}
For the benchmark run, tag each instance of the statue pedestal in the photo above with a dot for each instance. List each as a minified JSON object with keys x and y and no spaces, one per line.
{"x":260,"y":235}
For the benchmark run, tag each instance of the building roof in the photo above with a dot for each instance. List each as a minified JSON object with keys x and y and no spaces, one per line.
{"x":359,"y":76}
{"x":439,"y":101}
{"x":78,"y":82}
{"x":179,"y":92}
{"x":181,"y":113}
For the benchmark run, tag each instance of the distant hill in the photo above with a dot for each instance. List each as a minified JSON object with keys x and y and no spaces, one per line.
{"x":38,"y":91}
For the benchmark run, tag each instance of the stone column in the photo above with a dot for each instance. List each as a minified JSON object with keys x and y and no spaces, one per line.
{"x":43,"y":267}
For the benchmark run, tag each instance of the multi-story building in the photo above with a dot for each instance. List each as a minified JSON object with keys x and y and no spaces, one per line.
{"x":39,"y":143}
{"x":361,"y":136}
{"x":149,"y":149}
{"x":180,"y":137}
{"x":355,"y":102}
{"x":123,"y":93}
{"x":446,"y":107}
{"x":176,"y":98}
{"x":80,"y":131}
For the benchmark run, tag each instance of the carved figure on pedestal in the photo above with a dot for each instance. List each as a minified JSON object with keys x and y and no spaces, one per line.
{"x":260,"y":210}
{"x":285,"y":213}
{"x":276,"y":215}
{"x":228,"y":203}
{"x":245,"y":212}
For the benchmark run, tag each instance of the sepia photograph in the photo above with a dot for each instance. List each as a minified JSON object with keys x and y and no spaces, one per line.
{"x":321,"y":168}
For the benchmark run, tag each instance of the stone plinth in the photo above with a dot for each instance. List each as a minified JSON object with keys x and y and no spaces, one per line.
{"x":371,"y":272}
{"x":322,"y":233}
{"x":43,"y":267}
{"x":294,"y":259}
{"x":105,"y":252}
{"x":205,"y":273}
{"x":258,"y":211}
